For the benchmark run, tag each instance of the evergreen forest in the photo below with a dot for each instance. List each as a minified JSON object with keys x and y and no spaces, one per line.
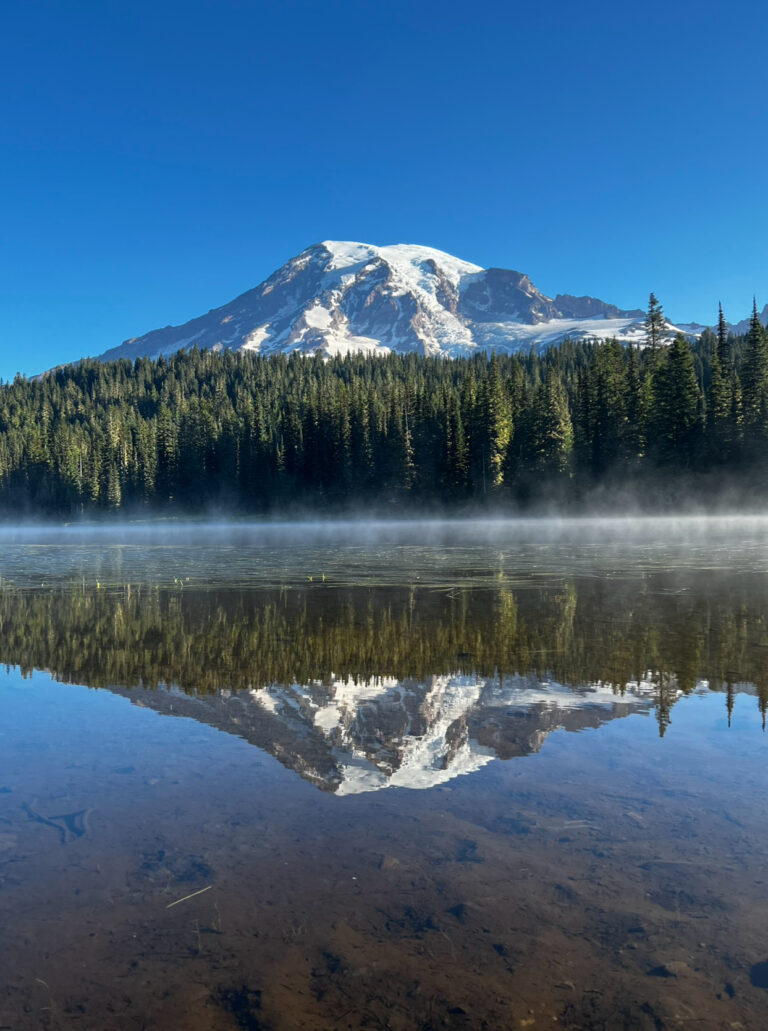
{"x":209,"y":640}
{"x":251,"y":434}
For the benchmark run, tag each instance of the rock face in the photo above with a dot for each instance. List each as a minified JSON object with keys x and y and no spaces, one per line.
{"x":349,"y":736}
{"x":342,"y":298}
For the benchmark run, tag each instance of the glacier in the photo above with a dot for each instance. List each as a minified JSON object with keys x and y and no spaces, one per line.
{"x":343,"y":297}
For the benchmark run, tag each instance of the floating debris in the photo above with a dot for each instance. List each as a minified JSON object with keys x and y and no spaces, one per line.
{"x":202,"y":890}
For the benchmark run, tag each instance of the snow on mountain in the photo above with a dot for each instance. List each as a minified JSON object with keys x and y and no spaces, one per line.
{"x":438,"y":735}
{"x":342,"y":297}
{"x":352,"y":736}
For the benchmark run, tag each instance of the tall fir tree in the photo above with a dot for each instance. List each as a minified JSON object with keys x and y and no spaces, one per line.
{"x":723,"y":347}
{"x":754,"y":387}
{"x":609,"y":420}
{"x":721,"y":428}
{"x":655,"y":326}
{"x":636,"y":406}
{"x":551,"y":437}
{"x":498,"y":421}
{"x":676,"y":404}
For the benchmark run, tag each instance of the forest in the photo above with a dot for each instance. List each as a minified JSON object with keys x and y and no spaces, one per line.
{"x":251,"y":434}
{"x":206,"y":640}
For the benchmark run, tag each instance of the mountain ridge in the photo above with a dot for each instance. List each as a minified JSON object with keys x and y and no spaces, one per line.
{"x":342,"y":296}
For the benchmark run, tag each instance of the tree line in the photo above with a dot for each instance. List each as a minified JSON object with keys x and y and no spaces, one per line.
{"x":576,"y":632}
{"x":260,"y":434}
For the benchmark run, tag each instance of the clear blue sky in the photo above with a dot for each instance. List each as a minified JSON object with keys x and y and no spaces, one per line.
{"x":160,"y":158}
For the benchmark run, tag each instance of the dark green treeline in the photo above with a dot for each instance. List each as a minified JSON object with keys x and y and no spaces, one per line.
{"x":579,"y":631}
{"x":202,"y":428}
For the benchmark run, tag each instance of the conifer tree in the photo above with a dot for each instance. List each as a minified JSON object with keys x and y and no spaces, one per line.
{"x":498,"y":424}
{"x":723,"y":348}
{"x":114,"y":494}
{"x":676,"y":404}
{"x":654,"y":324}
{"x":720,"y":407}
{"x":754,"y":386}
{"x":635,"y":406}
{"x":582,"y":419}
{"x":609,"y":418}
{"x":551,"y":439}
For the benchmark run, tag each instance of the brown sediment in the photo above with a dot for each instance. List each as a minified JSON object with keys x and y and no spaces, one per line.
{"x":519,"y":901}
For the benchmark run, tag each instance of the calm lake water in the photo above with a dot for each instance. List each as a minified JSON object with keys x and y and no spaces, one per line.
{"x":406,"y":776}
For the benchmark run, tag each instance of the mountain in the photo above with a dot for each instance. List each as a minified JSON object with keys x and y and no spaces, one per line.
{"x":740,"y":328}
{"x":346,"y":297}
{"x":349,"y":736}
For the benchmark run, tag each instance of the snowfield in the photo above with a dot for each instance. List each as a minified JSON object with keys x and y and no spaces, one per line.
{"x":342,"y":297}
{"x":439,"y":722}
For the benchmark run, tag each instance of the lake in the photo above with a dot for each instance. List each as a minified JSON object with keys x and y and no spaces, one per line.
{"x":384,"y":775}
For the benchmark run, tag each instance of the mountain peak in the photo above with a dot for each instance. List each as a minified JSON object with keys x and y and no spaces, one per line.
{"x":342,"y":296}
{"x":348,"y":252}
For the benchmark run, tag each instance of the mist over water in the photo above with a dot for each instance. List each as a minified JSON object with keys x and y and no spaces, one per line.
{"x":362,"y":550}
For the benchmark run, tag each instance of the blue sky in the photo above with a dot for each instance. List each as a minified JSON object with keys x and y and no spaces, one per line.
{"x":158,"y":159}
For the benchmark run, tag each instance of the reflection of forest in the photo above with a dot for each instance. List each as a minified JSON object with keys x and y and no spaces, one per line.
{"x":678,"y":629}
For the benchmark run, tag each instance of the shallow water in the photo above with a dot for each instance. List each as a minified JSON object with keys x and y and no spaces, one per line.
{"x":405,"y":776}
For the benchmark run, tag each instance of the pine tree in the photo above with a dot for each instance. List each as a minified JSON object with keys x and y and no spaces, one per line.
{"x":720,"y":407}
{"x":635,"y":406}
{"x":723,"y":347}
{"x":654,"y":324}
{"x":609,"y":413}
{"x":676,"y":404}
{"x":498,"y":424}
{"x":551,"y":437}
{"x":454,"y":465}
{"x":582,"y":418}
{"x":754,"y":386}
{"x":114,"y":494}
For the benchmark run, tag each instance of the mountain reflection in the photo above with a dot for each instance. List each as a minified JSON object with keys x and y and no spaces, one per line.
{"x":351,"y":736}
{"x":362,"y":688}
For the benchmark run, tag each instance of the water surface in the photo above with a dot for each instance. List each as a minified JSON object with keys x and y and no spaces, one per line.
{"x":400,"y":776}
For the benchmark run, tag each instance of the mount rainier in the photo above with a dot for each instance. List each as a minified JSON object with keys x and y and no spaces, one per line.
{"x":349,"y":736}
{"x":340,"y":297}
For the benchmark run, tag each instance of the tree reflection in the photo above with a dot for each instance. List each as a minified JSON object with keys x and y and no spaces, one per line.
{"x":672,"y":631}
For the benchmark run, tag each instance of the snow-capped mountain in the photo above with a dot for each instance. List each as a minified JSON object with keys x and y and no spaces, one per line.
{"x":353,"y":297}
{"x":351,"y":736}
